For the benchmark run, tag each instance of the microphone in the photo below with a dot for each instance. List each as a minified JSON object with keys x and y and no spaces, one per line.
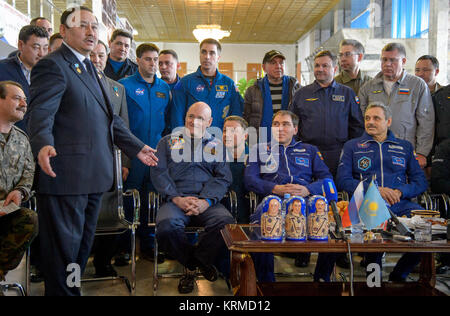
{"x":330,"y":192}
{"x":402,"y":229}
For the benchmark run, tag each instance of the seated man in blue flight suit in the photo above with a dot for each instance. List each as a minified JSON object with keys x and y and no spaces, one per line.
{"x":207,"y":85}
{"x":290,"y":167}
{"x":398,"y":174}
{"x":193,"y":176}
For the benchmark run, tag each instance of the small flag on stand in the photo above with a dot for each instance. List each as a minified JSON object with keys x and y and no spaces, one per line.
{"x":373,"y":211}
{"x":351,"y":216}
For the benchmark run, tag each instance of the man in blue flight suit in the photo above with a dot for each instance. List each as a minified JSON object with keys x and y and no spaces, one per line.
{"x":398,"y":174}
{"x":193,"y":176}
{"x":292,"y":167}
{"x":207,"y":85}
{"x":328,"y":111}
{"x":148,"y":98}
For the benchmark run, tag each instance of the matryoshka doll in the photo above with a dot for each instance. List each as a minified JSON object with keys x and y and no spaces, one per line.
{"x":318,"y":218}
{"x":271,"y":219}
{"x":295,"y":222}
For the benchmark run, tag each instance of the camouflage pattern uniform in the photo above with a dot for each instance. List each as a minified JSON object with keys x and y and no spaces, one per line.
{"x":18,"y":229}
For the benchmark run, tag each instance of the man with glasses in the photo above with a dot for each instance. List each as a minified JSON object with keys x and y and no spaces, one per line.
{"x":408,"y":97}
{"x":351,"y":54}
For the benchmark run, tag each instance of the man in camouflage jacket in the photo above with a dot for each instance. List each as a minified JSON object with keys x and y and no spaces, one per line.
{"x":17,"y":229}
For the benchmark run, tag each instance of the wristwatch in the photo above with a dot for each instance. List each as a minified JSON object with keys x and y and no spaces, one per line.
{"x":22,"y":193}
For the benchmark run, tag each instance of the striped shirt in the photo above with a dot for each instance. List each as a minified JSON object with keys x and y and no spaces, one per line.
{"x":276,"y":91}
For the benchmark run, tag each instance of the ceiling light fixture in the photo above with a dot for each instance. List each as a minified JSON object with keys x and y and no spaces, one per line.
{"x":204,"y":31}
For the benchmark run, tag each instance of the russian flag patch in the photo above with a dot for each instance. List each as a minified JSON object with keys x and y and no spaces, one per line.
{"x":403,"y":91}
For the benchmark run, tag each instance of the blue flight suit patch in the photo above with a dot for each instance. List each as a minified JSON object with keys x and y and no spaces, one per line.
{"x":364,"y":163}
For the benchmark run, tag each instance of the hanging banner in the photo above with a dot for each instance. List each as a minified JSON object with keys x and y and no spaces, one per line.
{"x":11,"y":22}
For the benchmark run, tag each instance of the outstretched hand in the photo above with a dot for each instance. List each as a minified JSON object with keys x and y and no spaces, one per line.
{"x":147,"y":156}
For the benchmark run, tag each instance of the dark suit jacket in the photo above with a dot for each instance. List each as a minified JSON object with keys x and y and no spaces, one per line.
{"x":10,"y":70}
{"x":119,"y":102}
{"x":67,"y":112}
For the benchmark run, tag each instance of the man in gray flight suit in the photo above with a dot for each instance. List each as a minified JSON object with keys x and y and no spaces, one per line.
{"x":408,"y":97}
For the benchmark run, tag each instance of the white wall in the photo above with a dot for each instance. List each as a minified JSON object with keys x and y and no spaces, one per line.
{"x":238,"y":54}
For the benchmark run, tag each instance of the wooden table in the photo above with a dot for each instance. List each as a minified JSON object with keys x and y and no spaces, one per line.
{"x":242,"y":240}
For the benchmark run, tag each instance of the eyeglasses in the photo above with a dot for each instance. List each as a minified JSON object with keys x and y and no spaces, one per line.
{"x":346,"y":54}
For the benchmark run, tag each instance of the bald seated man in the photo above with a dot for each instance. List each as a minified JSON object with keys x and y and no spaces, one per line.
{"x":192,"y":189}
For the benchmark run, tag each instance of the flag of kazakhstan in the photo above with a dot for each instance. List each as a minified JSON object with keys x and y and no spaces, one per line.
{"x":373,"y":211}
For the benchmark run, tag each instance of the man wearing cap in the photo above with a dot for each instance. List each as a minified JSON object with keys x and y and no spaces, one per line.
{"x":270,"y":94}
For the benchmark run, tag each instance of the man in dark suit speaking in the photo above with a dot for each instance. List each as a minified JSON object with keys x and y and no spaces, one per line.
{"x":72,"y":133}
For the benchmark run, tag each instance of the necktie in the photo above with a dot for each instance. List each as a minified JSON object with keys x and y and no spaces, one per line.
{"x":93,"y":75}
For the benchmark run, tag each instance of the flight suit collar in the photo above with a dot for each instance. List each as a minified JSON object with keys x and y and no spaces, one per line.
{"x":379,"y":78}
{"x":317,"y":86}
{"x":365,"y":138}
{"x":141,"y":80}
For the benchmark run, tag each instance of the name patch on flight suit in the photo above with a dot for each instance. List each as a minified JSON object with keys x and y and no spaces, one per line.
{"x":364,"y":163}
{"x":222,"y":88}
{"x":395,"y":147}
{"x":160,"y":95}
{"x":398,"y":161}
{"x":338,"y":98}
{"x":221,"y":91}
{"x":312,"y":99}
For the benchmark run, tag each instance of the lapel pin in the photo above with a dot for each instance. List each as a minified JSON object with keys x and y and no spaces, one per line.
{"x":78,"y":68}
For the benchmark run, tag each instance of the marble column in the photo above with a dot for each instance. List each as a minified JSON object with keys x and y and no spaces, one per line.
{"x":438,"y":37}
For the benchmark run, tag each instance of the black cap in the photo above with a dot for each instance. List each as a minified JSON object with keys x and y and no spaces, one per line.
{"x":271,"y":55}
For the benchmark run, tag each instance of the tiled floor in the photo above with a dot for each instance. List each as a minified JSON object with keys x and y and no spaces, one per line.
{"x":168,"y":286}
